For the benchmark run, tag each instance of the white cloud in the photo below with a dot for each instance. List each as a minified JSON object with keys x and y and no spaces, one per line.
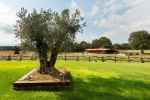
{"x":94,"y":10}
{"x":7,"y":21}
{"x":122,"y":18}
{"x":7,"y":14}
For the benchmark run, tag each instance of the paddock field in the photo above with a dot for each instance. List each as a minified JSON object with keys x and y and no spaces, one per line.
{"x":92,"y":81}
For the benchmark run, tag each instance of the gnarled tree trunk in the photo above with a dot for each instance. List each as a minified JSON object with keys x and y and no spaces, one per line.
{"x":43,"y":65}
{"x":43,"y":57}
{"x":53,"y":58}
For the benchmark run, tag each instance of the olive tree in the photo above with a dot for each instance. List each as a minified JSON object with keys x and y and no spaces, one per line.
{"x":46,"y":31}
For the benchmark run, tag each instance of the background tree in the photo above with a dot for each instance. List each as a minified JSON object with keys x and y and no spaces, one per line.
{"x":96,"y":44}
{"x":140,"y":40}
{"x":47,"y":31}
{"x":105,"y":42}
{"x":76,"y":47}
{"x":116,"y":46}
{"x":84,"y":45}
{"x":102,"y":42}
{"x":72,"y":46}
{"x":125,"y":46}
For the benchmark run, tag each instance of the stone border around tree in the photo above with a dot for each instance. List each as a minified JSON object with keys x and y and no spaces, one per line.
{"x":23,"y":84}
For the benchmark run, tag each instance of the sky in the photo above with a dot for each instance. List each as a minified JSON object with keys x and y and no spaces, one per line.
{"x":115,"y":19}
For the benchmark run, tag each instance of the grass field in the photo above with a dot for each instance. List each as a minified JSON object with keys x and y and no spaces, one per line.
{"x":92,"y":81}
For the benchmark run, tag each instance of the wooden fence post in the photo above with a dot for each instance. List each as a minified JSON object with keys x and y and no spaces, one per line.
{"x":89,"y":59}
{"x":31,"y":58}
{"x":77,"y":58}
{"x":141,"y":59}
{"x":20,"y":58}
{"x":102,"y":58}
{"x":95,"y":58}
{"x":128,"y":58}
{"x":115,"y":59}
{"x":65,"y":58}
{"x":9,"y":58}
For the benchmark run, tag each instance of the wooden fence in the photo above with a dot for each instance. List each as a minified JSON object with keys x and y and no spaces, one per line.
{"x":115,"y":59}
{"x":18,"y":58}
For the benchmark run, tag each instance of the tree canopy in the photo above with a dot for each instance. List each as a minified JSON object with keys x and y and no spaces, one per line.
{"x":102,"y":42}
{"x":47,"y":30}
{"x":139,"y":40}
{"x":122,"y":46}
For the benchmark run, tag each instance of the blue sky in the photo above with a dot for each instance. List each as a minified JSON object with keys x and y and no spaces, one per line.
{"x":115,"y":19}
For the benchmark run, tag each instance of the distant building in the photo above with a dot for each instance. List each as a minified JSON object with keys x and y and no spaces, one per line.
{"x":101,"y":51}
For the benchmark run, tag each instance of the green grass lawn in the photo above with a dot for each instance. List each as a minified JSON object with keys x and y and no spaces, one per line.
{"x":92,"y":81}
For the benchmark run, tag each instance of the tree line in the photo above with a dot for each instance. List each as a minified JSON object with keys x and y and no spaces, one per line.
{"x":138,"y":40}
{"x":102,"y":42}
{"x":9,"y":47}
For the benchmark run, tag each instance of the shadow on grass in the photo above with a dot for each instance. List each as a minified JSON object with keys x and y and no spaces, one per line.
{"x":96,"y":88}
